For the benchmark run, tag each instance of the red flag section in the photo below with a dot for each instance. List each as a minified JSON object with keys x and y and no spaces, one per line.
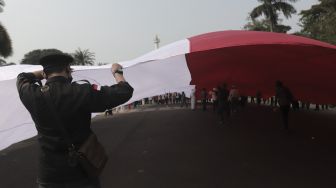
{"x":253,"y":61}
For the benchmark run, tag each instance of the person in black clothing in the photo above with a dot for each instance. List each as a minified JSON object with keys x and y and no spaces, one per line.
{"x":183,"y":100}
{"x":74,"y":104}
{"x":204,"y":99}
{"x":223,"y":103}
{"x":243,"y":100}
{"x":284,"y":97}
{"x":295,"y":105}
{"x":258,"y":97}
{"x":214,"y":98}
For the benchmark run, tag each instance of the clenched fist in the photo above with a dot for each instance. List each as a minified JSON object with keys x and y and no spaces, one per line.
{"x":115,"y":67}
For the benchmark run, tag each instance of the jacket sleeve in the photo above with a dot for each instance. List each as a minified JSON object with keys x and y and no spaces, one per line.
{"x":25,"y":83}
{"x":108,"y":96}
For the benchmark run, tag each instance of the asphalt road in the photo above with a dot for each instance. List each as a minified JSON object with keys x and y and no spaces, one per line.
{"x":183,"y":148}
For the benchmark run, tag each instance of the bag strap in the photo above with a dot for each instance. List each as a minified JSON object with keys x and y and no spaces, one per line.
{"x":46,"y":95}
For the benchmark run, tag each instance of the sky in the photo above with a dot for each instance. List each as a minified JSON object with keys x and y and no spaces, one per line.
{"x":120,"y":30}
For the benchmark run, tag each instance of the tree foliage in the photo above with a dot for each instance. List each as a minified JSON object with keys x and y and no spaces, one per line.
{"x":6,"y":49}
{"x":83,"y":57}
{"x":256,"y":25}
{"x":319,"y":22}
{"x":271,"y":9}
{"x":2,"y":4}
{"x":4,"y":63}
{"x":262,"y":25}
{"x":34,"y":56}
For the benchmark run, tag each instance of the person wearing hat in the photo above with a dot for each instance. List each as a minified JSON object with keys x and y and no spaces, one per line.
{"x":74,"y":104}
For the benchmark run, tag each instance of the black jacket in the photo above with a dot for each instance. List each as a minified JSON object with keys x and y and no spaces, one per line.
{"x":74,"y":104}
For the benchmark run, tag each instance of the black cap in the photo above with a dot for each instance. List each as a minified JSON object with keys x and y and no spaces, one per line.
{"x":52,"y":61}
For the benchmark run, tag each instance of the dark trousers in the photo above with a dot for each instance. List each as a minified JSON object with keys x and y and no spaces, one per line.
{"x":204,"y":104}
{"x":224,"y":110}
{"x":215,"y":105}
{"x":184,"y":103}
{"x":284,"y":114}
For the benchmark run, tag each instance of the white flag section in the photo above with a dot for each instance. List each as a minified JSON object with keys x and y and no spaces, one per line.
{"x":161,"y":71}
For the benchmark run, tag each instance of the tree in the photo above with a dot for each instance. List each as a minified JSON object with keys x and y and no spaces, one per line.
{"x":2,"y":4}
{"x":262,"y":25}
{"x":5,"y":41}
{"x":270,"y":9}
{"x":319,"y":21}
{"x":256,"y":25}
{"x":83,"y":57}
{"x":2,"y":62}
{"x":33,"y":57}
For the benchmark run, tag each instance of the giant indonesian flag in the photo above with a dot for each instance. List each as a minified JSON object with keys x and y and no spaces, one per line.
{"x":252,"y":61}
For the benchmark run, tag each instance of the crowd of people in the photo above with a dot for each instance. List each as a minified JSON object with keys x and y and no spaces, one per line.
{"x":227,"y":101}
{"x":175,"y":98}
{"x":169,"y":98}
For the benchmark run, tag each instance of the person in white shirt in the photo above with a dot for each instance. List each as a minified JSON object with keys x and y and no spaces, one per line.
{"x":193,"y":99}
